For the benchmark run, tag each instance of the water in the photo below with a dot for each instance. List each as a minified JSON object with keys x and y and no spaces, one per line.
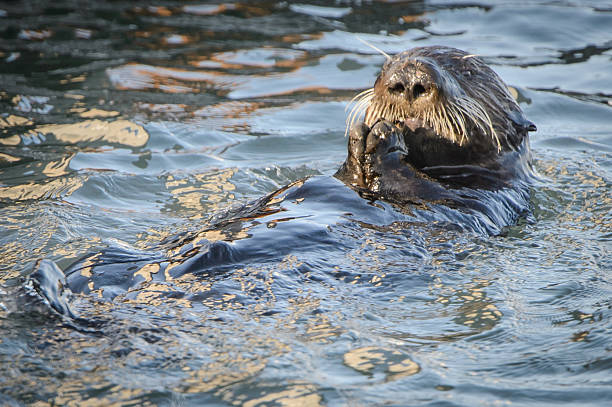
{"x":123,"y":125}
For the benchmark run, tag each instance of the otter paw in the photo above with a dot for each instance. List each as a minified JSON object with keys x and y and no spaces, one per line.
{"x":371,"y":152}
{"x":383,"y":138}
{"x":384,"y":146}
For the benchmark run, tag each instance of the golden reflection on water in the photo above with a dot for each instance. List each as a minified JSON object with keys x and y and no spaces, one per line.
{"x":156,"y":294}
{"x":368,"y":256}
{"x":71,"y":395}
{"x":292,"y":74}
{"x":320,"y":328}
{"x":54,"y":188}
{"x":583,"y":207}
{"x":8,"y":158}
{"x":88,"y":265}
{"x":9,"y":122}
{"x":36,"y":226}
{"x":228,"y":371}
{"x":73,"y":79}
{"x":91,"y":113}
{"x":294,"y":394}
{"x":370,"y":360}
{"x":12,"y":253}
{"x":58,"y":181}
{"x":474,"y":308}
{"x":12,"y":121}
{"x":595,"y":203}
{"x":220,"y":374}
{"x":57,"y":168}
{"x":123,"y":132}
{"x":202,"y":193}
{"x":90,"y":384}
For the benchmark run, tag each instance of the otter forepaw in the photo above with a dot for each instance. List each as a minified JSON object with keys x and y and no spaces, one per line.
{"x":371,"y":152}
{"x":384,"y":138}
{"x":351,"y":172}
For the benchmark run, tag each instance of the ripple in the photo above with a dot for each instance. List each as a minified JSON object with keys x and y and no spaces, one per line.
{"x":51,"y":189}
{"x":393,"y":364}
{"x":122,"y":132}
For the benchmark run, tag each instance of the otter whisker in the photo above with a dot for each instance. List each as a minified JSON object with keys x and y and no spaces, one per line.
{"x":359,"y":107}
{"x":453,"y":121}
{"x":369,"y":93}
{"x":445,"y":118}
{"x":372,"y":115}
{"x":459,"y":118}
{"x":448,"y":124}
{"x":363,"y":101}
{"x":359,"y":96}
{"x":375,"y":48}
{"x":440,"y":124}
{"x":480,"y":117}
{"x":359,"y":110}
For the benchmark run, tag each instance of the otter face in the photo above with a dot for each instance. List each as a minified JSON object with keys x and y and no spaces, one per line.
{"x":405,"y":87}
{"x":448,"y":92}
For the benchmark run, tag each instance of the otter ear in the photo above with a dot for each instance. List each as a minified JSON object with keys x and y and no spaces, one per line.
{"x":521,"y":121}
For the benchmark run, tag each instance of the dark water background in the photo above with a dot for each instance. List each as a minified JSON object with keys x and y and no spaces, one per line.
{"x":124,"y":123}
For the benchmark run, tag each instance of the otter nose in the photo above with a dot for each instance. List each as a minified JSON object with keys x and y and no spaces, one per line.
{"x":411,"y":90}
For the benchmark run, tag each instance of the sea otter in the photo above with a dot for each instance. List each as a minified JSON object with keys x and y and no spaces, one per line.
{"x":443,"y":141}
{"x":437,"y":119}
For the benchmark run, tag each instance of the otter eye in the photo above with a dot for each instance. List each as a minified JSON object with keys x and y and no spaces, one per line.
{"x":418,"y":90}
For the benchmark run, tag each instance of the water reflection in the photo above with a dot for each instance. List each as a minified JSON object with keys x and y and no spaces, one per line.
{"x":170,"y":80}
{"x":296,"y":393}
{"x":473,"y":307}
{"x":28,"y":177}
{"x":51,"y":189}
{"x":258,"y":57}
{"x":373,"y":360}
{"x":200,"y":194}
{"x":122,"y":132}
{"x":295,"y":77}
{"x":8,"y":125}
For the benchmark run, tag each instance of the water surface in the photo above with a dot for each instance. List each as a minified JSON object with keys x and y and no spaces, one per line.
{"x":124,"y":123}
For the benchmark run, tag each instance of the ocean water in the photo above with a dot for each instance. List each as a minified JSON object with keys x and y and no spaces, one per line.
{"x":131,"y":132}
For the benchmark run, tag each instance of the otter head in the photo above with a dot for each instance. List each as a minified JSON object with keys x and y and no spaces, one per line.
{"x":451,"y":94}
{"x":436,"y":118}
